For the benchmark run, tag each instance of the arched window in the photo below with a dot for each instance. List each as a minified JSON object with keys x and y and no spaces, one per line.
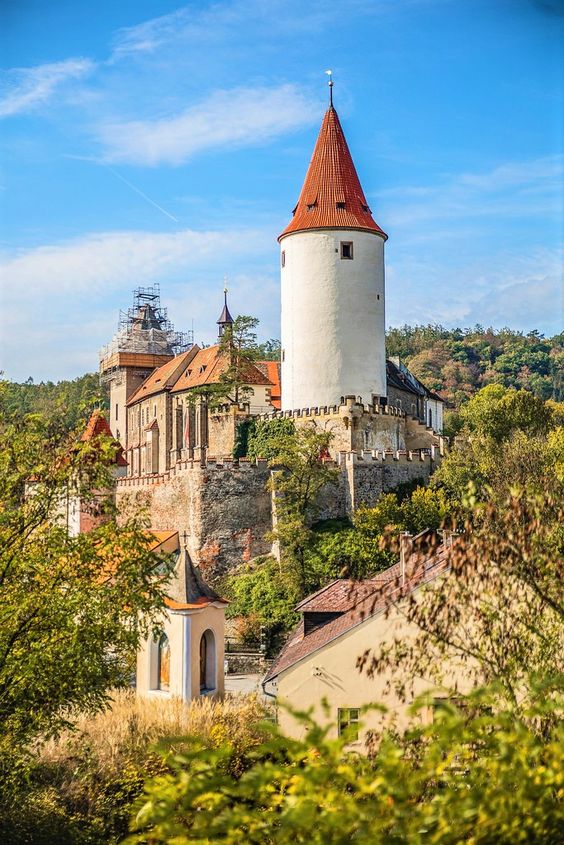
{"x":163,"y":664}
{"x":207,"y":662}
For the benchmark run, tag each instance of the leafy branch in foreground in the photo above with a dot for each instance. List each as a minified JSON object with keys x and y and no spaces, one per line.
{"x":481,"y":774}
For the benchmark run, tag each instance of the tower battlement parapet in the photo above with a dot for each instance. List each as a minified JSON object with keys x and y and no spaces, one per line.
{"x":376,"y":456}
{"x":207,"y":464}
{"x":345,"y":409}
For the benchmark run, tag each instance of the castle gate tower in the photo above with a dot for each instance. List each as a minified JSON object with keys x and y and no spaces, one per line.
{"x":332,"y":269}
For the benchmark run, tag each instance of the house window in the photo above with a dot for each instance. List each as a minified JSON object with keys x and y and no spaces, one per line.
{"x":163,"y":664}
{"x":207,"y":662}
{"x":283,"y":258}
{"x":346,"y":249}
{"x":347,"y":720}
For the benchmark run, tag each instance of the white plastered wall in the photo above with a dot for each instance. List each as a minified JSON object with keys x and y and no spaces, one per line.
{"x":333,"y":318}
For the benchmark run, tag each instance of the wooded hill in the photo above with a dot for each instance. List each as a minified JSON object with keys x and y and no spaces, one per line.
{"x":458,"y":362}
{"x":454,"y":362}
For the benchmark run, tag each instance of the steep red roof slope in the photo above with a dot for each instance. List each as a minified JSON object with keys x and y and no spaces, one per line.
{"x":98,"y":426}
{"x":331,"y":195}
{"x":357,"y":601}
{"x":165,"y":377}
{"x":207,"y":368}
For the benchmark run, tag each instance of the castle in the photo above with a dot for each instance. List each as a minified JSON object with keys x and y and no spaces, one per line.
{"x":333,"y":375}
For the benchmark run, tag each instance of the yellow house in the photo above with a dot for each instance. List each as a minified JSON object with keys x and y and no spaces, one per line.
{"x":186,"y":659}
{"x":317,"y":668}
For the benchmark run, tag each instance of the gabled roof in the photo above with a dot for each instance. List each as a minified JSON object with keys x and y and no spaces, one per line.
{"x":271,"y":369}
{"x":208,"y":366}
{"x":98,"y":426}
{"x":332,"y":196}
{"x":165,"y":377}
{"x":361,"y":603}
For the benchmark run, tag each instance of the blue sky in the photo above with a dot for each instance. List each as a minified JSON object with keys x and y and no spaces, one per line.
{"x":152,"y":142}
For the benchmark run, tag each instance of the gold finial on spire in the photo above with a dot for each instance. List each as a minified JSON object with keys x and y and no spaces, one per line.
{"x":330,"y":75}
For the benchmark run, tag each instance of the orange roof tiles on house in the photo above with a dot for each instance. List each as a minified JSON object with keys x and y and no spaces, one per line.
{"x":332,"y":196}
{"x":157,"y":539}
{"x":355,"y":602}
{"x":98,"y":426}
{"x":208,"y":366}
{"x":272,"y":371}
{"x":164,"y":377}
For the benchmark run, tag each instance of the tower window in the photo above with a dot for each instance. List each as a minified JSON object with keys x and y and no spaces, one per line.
{"x":283,"y":258}
{"x":341,"y":205}
{"x":346,"y":249}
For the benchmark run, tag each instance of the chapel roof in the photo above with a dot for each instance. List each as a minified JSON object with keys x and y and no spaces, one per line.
{"x":332,"y":196}
{"x":355,"y":602}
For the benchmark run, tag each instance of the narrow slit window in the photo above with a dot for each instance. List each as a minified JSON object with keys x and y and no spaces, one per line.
{"x":283,"y":258}
{"x":347,"y":249}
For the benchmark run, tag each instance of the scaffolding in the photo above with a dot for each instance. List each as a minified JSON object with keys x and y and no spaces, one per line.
{"x":145,"y":328}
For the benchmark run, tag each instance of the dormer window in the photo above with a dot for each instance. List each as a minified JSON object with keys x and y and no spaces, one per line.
{"x":311,"y":206}
{"x":341,"y":206}
{"x":347,"y":249}
{"x":365,"y":208}
{"x":203,"y":368}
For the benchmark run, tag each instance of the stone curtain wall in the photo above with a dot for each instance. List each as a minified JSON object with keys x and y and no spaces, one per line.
{"x":223,"y":510}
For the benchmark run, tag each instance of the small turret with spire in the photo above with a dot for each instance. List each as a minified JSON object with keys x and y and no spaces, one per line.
{"x":225,"y":318}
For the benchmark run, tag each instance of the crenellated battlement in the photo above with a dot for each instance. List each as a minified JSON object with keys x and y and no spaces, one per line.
{"x":377,"y":456}
{"x":344,"y":459}
{"x":348,"y":407}
{"x":207,"y":464}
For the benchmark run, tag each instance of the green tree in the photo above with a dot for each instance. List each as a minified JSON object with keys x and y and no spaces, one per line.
{"x":239,"y":346}
{"x":481,"y":775}
{"x":73,"y":608}
{"x":300,"y":474}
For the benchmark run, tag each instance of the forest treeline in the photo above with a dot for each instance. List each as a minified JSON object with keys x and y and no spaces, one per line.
{"x":454,"y":362}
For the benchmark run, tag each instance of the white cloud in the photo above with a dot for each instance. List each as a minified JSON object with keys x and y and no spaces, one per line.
{"x":22,"y":89}
{"x":520,"y":290}
{"x":512,"y":189}
{"x":240,"y":117}
{"x":64,"y":299}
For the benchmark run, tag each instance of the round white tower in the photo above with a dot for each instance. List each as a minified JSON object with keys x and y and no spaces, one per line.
{"x":333,"y":299}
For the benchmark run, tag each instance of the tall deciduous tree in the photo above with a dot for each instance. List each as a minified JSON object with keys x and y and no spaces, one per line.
{"x":73,"y":608}
{"x":300,"y":474}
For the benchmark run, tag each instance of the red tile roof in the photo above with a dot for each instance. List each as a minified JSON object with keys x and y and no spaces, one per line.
{"x":358,"y":602}
{"x":208,"y":366}
{"x":164,"y":377}
{"x":331,"y":196}
{"x":272,"y":371}
{"x":98,"y":426}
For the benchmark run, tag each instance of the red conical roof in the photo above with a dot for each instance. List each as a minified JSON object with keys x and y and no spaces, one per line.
{"x":331,"y":196}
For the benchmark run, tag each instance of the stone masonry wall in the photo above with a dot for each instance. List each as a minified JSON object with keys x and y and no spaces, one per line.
{"x":223,"y":510}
